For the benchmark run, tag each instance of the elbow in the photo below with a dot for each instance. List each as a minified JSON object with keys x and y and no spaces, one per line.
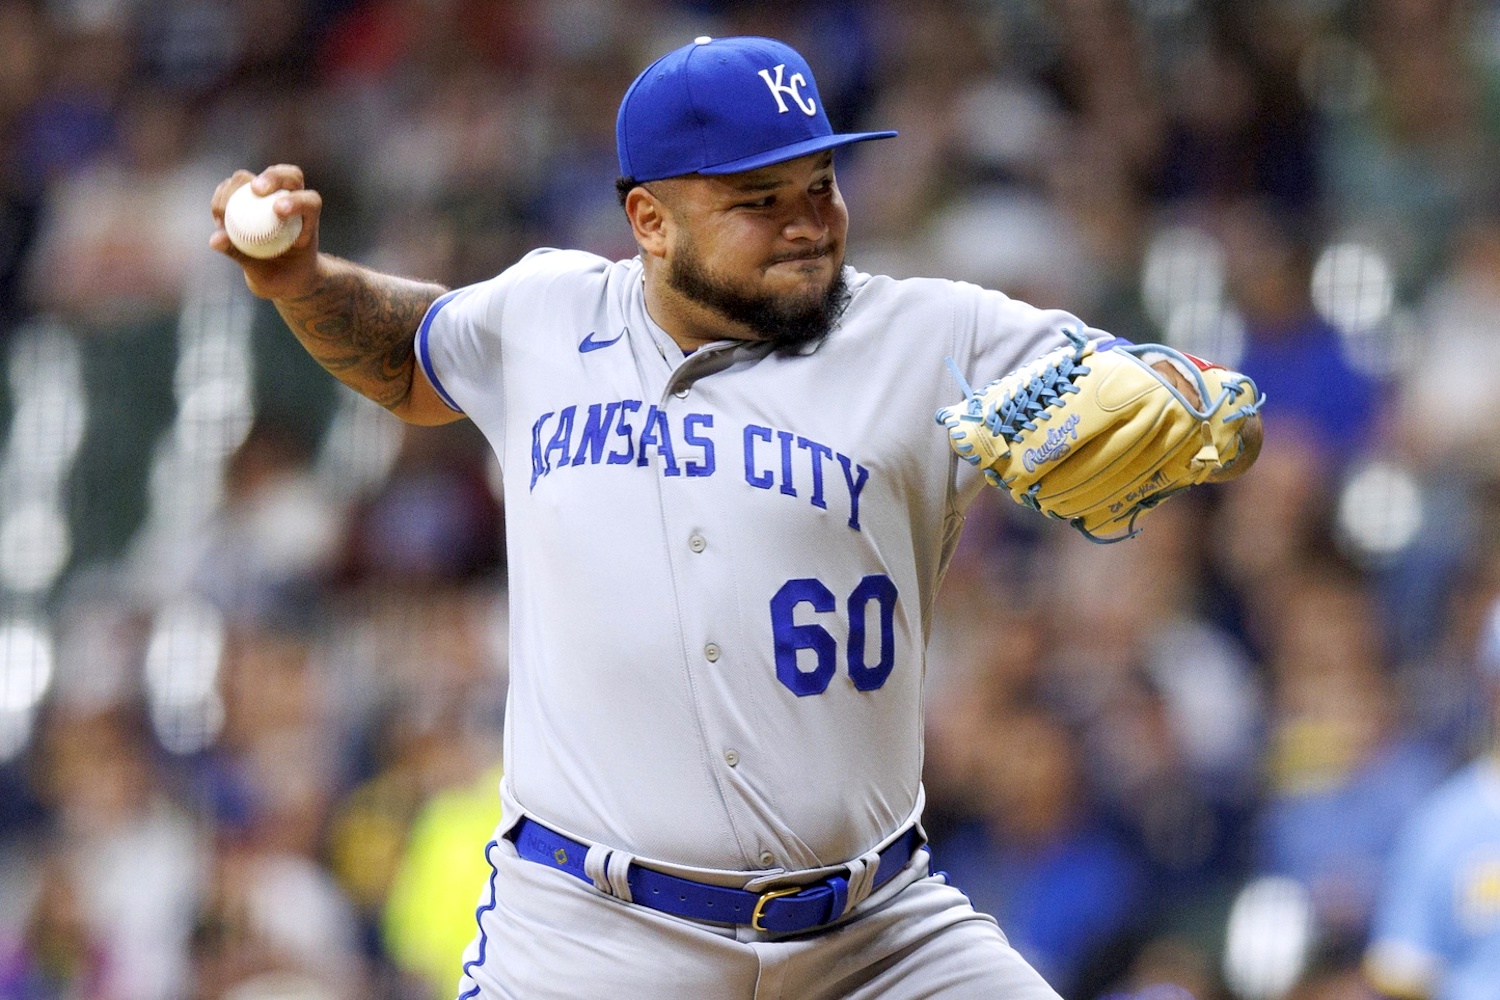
{"x":426,"y":416}
{"x":421,"y":404}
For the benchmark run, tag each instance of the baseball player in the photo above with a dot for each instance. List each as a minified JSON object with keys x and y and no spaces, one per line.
{"x":1436,"y":933}
{"x":728,"y":511}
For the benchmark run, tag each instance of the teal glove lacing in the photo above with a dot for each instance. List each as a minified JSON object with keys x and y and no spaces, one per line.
{"x":1020,"y":410}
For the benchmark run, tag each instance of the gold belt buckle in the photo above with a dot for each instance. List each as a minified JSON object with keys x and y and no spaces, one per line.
{"x":766,"y":897}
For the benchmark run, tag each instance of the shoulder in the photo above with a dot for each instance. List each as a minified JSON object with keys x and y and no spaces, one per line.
{"x":538,"y":277}
{"x":936,"y":292}
{"x":984,"y":331}
{"x":1467,"y":801}
{"x":961,"y":304}
{"x":936,"y":307}
{"x":549,"y":265}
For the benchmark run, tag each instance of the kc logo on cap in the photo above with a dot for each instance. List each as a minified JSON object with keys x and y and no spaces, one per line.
{"x":703,"y":109}
{"x":791,"y":89}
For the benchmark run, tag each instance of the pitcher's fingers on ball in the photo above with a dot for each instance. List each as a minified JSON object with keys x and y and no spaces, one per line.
{"x":298,"y":202}
{"x":302,"y":203}
{"x":219,"y":240}
{"x":222,"y":242}
{"x":226,"y":188}
{"x":285,"y":176}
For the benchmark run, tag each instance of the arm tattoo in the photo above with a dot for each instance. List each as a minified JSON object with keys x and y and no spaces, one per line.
{"x":360,"y":325}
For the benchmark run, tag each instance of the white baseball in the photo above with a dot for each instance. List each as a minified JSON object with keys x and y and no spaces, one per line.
{"x":254,"y":227}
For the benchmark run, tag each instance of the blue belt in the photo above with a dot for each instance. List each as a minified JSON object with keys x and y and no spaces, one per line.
{"x":778,"y":911}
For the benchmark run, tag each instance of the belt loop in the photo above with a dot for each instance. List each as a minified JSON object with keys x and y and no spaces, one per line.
{"x":595,"y":866}
{"x":610,"y":871}
{"x":618,"y":872}
{"x":862,"y":871}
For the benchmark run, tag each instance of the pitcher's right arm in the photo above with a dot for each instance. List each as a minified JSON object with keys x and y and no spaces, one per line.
{"x":357,"y":323}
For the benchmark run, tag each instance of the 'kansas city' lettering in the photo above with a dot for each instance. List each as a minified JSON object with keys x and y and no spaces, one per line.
{"x":620,"y":433}
{"x":629,"y":432}
{"x":768,"y":451}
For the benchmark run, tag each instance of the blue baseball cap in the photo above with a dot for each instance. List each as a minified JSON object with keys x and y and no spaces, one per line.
{"x":723,"y":105}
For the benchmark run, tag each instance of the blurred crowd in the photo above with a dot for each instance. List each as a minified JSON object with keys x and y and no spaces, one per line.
{"x":252,"y":635}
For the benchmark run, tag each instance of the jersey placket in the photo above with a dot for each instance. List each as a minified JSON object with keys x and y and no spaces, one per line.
{"x":704,"y":587}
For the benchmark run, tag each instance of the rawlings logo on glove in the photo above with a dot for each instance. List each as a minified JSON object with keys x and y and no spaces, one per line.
{"x":1055,"y":447}
{"x":1097,"y":438}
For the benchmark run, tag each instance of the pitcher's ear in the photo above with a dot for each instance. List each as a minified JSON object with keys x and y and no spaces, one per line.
{"x":650,"y":219}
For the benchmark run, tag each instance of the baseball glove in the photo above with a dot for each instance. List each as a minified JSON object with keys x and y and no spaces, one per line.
{"x":1096,"y":436}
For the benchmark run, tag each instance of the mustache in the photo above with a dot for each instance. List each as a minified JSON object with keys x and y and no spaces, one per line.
{"x":816,"y":253}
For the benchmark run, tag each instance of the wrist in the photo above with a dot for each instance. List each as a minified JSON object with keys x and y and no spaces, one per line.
{"x":322,"y":271}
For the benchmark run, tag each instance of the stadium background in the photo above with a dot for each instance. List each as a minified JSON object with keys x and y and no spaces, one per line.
{"x":252,"y":630}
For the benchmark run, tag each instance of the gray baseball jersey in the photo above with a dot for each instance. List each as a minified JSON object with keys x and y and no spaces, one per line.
{"x":722,"y":566}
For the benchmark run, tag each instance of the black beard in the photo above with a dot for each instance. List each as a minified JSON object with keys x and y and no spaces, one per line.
{"x":786,"y":324}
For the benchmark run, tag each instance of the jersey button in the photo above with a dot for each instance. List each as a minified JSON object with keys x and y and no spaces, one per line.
{"x":697,"y":543}
{"x":731,"y":757}
{"x":712,"y":652}
{"x":681,"y":393}
{"x":767,"y":859}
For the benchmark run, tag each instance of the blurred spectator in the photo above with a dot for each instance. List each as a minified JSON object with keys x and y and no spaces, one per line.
{"x":932,"y":61}
{"x":275,"y":533}
{"x":1294,"y":354}
{"x":1459,"y":360}
{"x":1103,"y":74}
{"x":1109,"y":214}
{"x":121,"y":243}
{"x":1343,"y":772}
{"x":1407,"y":162}
{"x":119,"y":249}
{"x":575,"y":200}
{"x":270,"y":916}
{"x":274,"y":537}
{"x":1272,"y":527}
{"x":86,"y":67}
{"x":274,"y":769}
{"x":429,"y":917}
{"x":1239,"y":128}
{"x":1437,"y":928}
{"x":1166,"y":701}
{"x":423,"y":729}
{"x":984,"y":663}
{"x":1064,"y":890}
{"x":435,"y":520}
{"x":139,"y":857}
{"x":271,"y":906}
{"x":263,"y":556}
{"x":59,"y":955}
{"x":430,"y":748}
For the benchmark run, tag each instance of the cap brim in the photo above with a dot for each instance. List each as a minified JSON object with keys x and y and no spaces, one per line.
{"x":796,"y":149}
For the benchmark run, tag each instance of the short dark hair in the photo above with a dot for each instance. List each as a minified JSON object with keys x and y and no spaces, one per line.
{"x":623,"y":186}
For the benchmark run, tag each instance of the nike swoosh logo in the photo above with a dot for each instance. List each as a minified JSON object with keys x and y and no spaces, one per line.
{"x":590,"y":344}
